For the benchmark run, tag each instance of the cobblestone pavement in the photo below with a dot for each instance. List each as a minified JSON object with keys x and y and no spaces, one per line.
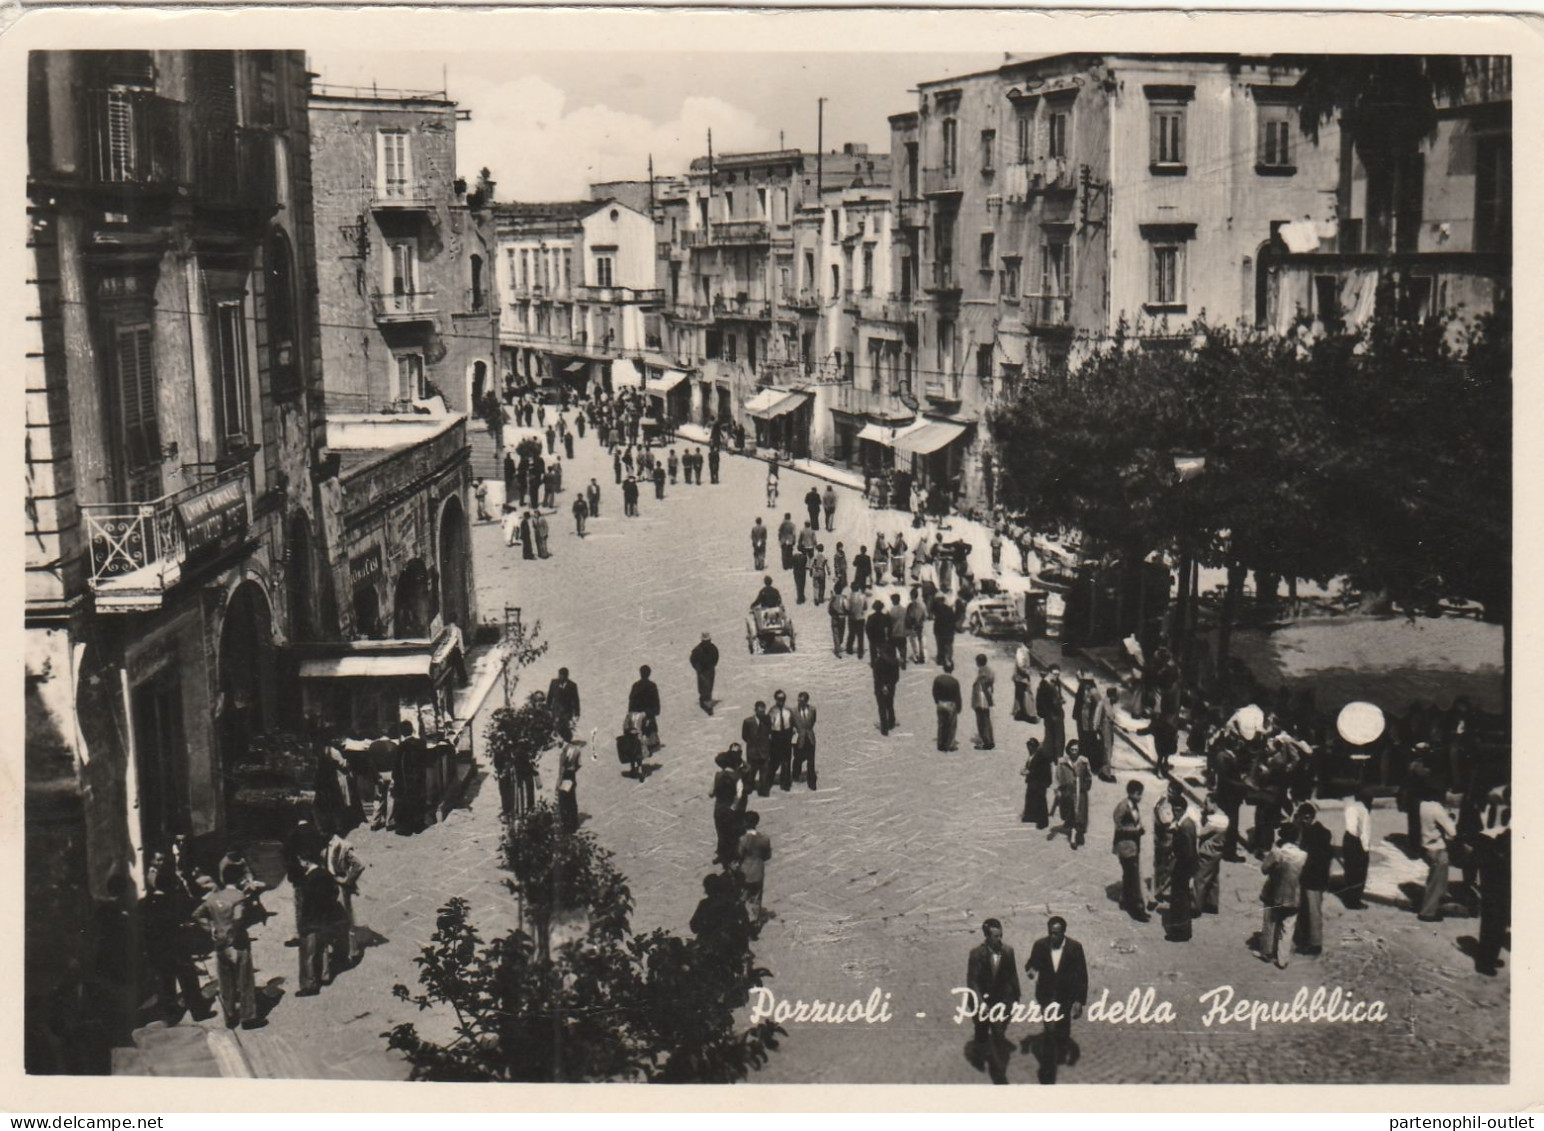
{"x":882,"y":877}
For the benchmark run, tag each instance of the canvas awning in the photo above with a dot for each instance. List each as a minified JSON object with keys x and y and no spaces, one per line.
{"x":575,"y":367}
{"x":770,"y":403}
{"x":929,"y":438}
{"x":410,"y":664}
{"x":883,"y":433}
{"x":1011,"y":349}
{"x":667,"y":381}
{"x":625,"y":371}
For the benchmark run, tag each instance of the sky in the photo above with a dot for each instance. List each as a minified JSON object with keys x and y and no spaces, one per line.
{"x":549,"y":123}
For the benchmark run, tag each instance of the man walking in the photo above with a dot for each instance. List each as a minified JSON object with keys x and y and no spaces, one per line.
{"x":943,"y":630}
{"x":838,"y":611}
{"x":755,"y":850}
{"x":1037,"y":779}
{"x":1437,"y":829}
{"x":804,"y":740}
{"x":643,"y":698}
{"x":828,"y":503}
{"x":1283,"y":869}
{"x":592,"y":498}
{"x":1104,"y":720}
{"x":758,"y":545}
{"x":704,"y":660}
{"x":800,"y":573}
{"x":1073,"y":781}
{"x":786,"y":535}
{"x":563,"y":702}
{"x":1354,"y":857}
{"x":659,"y":481}
{"x":727,"y":805}
{"x":713,"y":458}
{"x":1050,"y":705}
{"x":1128,"y":848}
{"x":981,"y":702}
{"x":1164,"y":817}
{"x":839,"y":571}
{"x":673,"y":465}
{"x":1318,"y":847}
{"x":946,"y":698}
{"x":1210,"y":839}
{"x":539,"y":526}
{"x":630,"y":497}
{"x":581,"y":512}
{"x":756,"y":734}
{"x":1060,"y":970}
{"x":916,"y":620}
{"x":812,"y":505}
{"x":857,"y":608}
{"x":780,"y":743}
{"x":862,"y":569}
{"x":819,"y":569}
{"x":1182,"y":876}
{"x":992,"y":975}
{"x":887,"y":673}
{"x":480,"y":493}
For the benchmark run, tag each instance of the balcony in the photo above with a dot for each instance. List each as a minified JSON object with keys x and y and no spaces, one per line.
{"x":402,"y":197}
{"x":620,"y":294}
{"x":138,"y":549}
{"x":395,"y":309}
{"x":802,"y":300}
{"x":1047,"y":311}
{"x":135,"y":138}
{"x":939,"y":182}
{"x":741,"y":232}
{"x":234,"y":168}
{"x":912,"y":213}
{"x":875,"y":403}
{"x":689,"y":313}
{"x":942,"y":390}
{"x":741,"y":307}
{"x":850,"y":301}
{"x":474,"y":301}
{"x":943,"y":280}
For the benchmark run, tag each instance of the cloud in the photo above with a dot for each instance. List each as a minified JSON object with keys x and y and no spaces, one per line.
{"x":538,"y":147}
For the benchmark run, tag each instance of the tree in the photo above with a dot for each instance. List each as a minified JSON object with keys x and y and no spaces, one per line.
{"x":603,"y":1004}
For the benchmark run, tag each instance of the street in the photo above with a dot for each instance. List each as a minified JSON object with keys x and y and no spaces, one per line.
{"x":882,"y":877}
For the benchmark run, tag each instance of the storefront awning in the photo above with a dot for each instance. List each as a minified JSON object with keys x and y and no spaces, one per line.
{"x":930,"y":437}
{"x":411,"y":664}
{"x":575,"y":367}
{"x":1010,"y":350}
{"x":770,"y":403}
{"x":883,"y":433}
{"x":669,"y":380}
{"x":625,"y":372}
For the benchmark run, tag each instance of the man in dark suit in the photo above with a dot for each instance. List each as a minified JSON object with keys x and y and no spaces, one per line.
{"x":1050,"y":705}
{"x":1061,"y":976}
{"x":887,"y":673}
{"x":563,"y":702}
{"x":756,"y":734}
{"x":644,"y":697}
{"x":704,"y":661}
{"x":992,"y":973}
{"x":812,"y":504}
{"x":946,"y":697}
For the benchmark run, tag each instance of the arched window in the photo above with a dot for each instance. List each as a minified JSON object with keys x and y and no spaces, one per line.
{"x":283,"y":328}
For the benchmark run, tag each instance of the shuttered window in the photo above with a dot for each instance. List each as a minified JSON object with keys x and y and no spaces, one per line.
{"x":395,"y":164}
{"x":231,"y":415}
{"x":1168,"y":136}
{"x":140,"y":432}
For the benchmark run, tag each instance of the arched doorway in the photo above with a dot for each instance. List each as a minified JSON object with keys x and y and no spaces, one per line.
{"x":453,"y":555}
{"x":367,"y":613}
{"x":246,"y":671}
{"x":1265,"y":282}
{"x":479,"y":383}
{"x":412,"y":605}
{"x":297,"y":578}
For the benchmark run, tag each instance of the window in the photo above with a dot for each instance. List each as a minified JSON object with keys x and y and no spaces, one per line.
{"x":750,"y":350}
{"x":525,"y":269}
{"x":1166,"y":286}
{"x":836,"y":280}
{"x":836,"y":226}
{"x":731,"y":346}
{"x":1168,"y":136}
{"x":1415,"y":292}
{"x":702,"y":212}
{"x":139,"y":433}
{"x":1493,"y":192}
{"x":951,"y":155}
{"x":396,"y":168}
{"x":410,"y":377}
{"x":715,"y":344}
{"x":868,"y":268}
{"x":477,"y":285}
{"x":279,"y":292}
{"x":782,"y":206}
{"x":784,"y":279}
{"x":1167,"y":106}
{"x":513,"y":262}
{"x":568,"y":268}
{"x":1010,"y":277}
{"x":988,"y":149}
{"x":945,"y":346}
{"x":761,"y":203}
{"x":911,"y":169}
{"x":1024,"y":125}
{"x":1326,"y":300}
{"x":603,"y":270}
{"x":403,"y":269}
{"x":1055,"y":282}
{"x":728,"y":205}
{"x":230,"y":401}
{"x":984,"y":362}
{"x":1056,"y":134}
{"x":1274,"y":151}
{"x":809,"y":282}
{"x":988,"y":251}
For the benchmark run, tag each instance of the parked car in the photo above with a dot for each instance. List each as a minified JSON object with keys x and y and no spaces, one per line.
{"x":997,"y":615}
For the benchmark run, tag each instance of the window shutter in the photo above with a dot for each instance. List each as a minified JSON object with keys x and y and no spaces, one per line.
{"x":1179,"y":137}
{"x":1154,"y":293}
{"x":136,"y":382}
{"x":1155,"y":137}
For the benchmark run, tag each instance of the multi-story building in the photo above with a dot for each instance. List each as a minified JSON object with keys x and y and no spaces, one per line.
{"x":174,"y":435}
{"x":1048,"y":202}
{"x":1430,"y":230}
{"x":734,"y":299}
{"x":405,"y":252}
{"x":410,"y":300}
{"x":584,"y":301}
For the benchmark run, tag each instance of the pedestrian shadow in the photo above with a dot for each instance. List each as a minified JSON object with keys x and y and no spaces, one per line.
{"x":469,"y":792}
{"x":269,"y":994}
{"x":1036,"y":1045}
{"x":992,"y":1060}
{"x":367,"y":938}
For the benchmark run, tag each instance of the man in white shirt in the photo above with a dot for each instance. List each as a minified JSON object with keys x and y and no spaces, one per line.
{"x":1353,"y":850}
{"x":1437,"y":829}
{"x":780,"y":768}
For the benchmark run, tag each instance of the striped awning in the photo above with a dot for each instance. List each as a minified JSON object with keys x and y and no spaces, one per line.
{"x":770,"y":403}
{"x":930,"y":437}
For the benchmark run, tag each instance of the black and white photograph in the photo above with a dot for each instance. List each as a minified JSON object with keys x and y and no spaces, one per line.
{"x":759,"y":561}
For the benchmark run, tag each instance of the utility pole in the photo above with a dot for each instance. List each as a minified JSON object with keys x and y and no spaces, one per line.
{"x":708,"y":234}
{"x":651,"y":186}
{"x":820,"y":148}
